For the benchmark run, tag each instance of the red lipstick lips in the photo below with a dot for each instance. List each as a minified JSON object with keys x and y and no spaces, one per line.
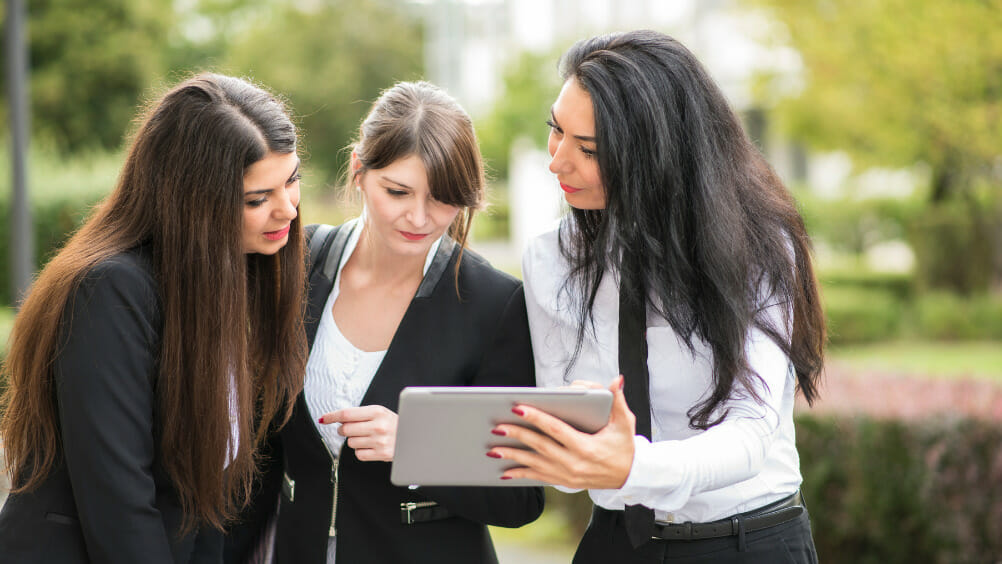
{"x":413,"y":236}
{"x":278,"y":235}
{"x":569,"y":189}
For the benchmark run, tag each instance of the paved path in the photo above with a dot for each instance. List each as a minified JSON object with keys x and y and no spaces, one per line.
{"x":510,"y":553}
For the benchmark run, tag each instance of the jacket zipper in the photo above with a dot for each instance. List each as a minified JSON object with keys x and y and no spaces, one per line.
{"x":334,"y":483}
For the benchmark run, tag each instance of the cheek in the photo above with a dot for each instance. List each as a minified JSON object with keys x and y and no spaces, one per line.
{"x":445,"y":215}
{"x":254,"y":218}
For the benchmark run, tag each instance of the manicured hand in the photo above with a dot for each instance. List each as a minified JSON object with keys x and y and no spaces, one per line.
{"x":371,"y":430}
{"x":564,"y":456}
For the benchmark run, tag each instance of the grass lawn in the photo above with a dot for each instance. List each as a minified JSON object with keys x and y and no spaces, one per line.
{"x":977,"y":359}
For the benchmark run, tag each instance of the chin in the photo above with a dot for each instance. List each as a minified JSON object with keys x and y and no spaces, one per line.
{"x":582,"y":202}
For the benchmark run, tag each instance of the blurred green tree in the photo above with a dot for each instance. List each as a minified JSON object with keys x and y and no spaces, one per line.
{"x":897,"y":83}
{"x":530,"y":84}
{"x":90,"y":62}
{"x":331,"y":59}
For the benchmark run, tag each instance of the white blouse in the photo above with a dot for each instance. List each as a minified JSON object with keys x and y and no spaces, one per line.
{"x":747,"y":461}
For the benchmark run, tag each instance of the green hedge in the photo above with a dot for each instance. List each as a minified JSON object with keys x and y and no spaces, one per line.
{"x":54,"y":220}
{"x":859,"y":315}
{"x":888,"y":492}
{"x":873,"y":308}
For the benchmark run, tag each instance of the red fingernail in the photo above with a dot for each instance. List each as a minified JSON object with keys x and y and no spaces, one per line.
{"x":499,"y":432}
{"x":493,"y":454}
{"x":505,"y":477}
{"x":321,"y":420}
{"x":518,"y":411}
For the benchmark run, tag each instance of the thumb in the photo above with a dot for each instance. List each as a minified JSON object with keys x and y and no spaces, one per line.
{"x":621,"y":415}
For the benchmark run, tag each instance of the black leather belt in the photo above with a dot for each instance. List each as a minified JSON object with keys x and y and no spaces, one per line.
{"x":770,"y":515}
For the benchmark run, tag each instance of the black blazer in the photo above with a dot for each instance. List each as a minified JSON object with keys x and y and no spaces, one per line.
{"x":108,"y":499}
{"x":479,"y":340}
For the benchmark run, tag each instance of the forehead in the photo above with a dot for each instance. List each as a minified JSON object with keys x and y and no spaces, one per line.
{"x":271,"y":171}
{"x":409,"y":170}
{"x":573,"y":110}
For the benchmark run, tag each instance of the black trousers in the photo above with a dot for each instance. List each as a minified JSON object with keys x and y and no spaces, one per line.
{"x":606,"y":541}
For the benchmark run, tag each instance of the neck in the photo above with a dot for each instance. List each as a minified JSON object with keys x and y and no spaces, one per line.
{"x":384,"y":266}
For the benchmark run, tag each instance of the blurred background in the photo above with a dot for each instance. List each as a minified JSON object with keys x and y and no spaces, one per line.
{"x":884,"y":117}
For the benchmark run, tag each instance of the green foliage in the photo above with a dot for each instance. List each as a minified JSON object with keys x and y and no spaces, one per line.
{"x":952,"y":247}
{"x":331,"y":60}
{"x":90,"y":62}
{"x":896,"y":284}
{"x":887,"y":492}
{"x":531,"y":84}
{"x":62,"y":192}
{"x":944,"y":316}
{"x":895,"y":82}
{"x":853,"y":225}
{"x":54,"y":221}
{"x":858,"y":315}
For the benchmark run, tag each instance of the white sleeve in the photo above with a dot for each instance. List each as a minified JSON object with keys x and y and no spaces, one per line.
{"x":665,"y":474}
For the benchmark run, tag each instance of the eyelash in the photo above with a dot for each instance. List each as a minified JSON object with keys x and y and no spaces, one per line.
{"x":263,"y":199}
{"x":588,"y":153}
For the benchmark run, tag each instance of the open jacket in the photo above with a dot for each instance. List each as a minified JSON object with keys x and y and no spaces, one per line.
{"x":478,"y":337}
{"x":108,"y":499}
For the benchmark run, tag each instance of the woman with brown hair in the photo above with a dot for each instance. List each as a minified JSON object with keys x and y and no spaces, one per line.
{"x":397,"y":300}
{"x":149,"y":348}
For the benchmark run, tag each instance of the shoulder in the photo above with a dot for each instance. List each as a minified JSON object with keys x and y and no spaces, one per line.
{"x":130,"y":270}
{"x":542,"y":256}
{"x":123,"y":279}
{"x":544,"y":267}
{"x":477,"y":274}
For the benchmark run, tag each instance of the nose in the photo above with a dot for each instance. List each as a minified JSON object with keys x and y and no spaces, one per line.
{"x":559,"y":163}
{"x":417,"y":214}
{"x":286,"y":208}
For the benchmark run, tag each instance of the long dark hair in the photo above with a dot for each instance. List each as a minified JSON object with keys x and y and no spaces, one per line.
{"x":713,"y":234}
{"x":227,"y":316}
{"x":419,"y":118}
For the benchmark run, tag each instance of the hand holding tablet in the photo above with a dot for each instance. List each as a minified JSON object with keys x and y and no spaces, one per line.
{"x":444,"y":433}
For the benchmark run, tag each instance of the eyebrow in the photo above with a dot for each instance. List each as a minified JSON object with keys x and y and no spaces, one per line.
{"x":267,"y":190}
{"x":398,"y":183}
{"x":578,"y":137}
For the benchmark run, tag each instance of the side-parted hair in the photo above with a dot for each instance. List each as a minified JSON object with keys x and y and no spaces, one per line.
{"x":229,"y":318}
{"x":419,"y":118}
{"x":713,"y":232}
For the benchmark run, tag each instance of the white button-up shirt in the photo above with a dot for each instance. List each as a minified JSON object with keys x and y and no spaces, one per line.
{"x":747,"y":461}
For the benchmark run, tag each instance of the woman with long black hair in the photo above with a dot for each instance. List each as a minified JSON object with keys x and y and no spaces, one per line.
{"x":684,"y":267}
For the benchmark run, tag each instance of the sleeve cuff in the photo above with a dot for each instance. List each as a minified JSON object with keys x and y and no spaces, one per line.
{"x":649,"y":471}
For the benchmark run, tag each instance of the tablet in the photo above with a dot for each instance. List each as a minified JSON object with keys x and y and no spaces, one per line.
{"x":444,"y":433}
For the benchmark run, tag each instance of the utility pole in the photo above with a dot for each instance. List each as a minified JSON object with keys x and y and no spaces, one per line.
{"x":22,"y":239}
